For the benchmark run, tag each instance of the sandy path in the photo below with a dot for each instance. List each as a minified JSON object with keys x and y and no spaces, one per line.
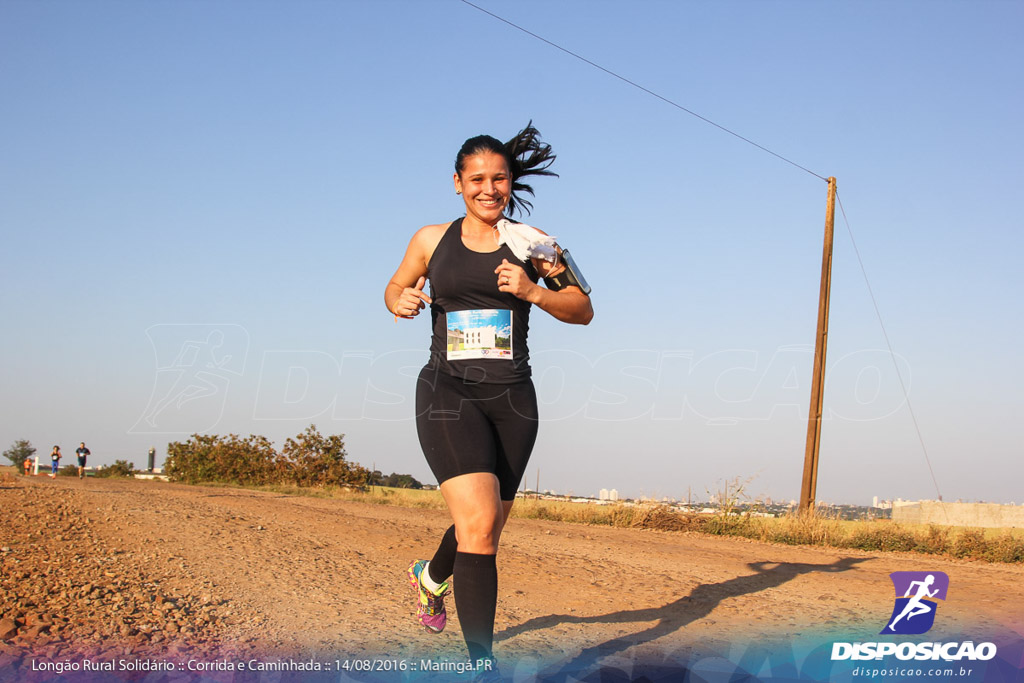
{"x":217,"y":571}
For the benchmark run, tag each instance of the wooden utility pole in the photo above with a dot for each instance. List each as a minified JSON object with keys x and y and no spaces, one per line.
{"x":810,"y":480}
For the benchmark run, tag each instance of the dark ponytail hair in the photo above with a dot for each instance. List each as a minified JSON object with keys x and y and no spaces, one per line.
{"x":525,"y":155}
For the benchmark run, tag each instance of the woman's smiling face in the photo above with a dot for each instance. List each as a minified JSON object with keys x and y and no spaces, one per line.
{"x":486,"y":186}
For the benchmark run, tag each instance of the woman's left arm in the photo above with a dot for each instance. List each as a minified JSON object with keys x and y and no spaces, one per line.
{"x":570,"y":305}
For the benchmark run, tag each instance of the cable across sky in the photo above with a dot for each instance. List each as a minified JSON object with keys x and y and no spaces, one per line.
{"x":764,"y":149}
{"x":647,"y":90}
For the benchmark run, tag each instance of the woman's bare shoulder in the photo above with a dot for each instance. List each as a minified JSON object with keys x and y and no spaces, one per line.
{"x":431,"y":231}
{"x":427,"y":237}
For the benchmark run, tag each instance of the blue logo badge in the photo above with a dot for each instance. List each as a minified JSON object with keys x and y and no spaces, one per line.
{"x":916,"y":601}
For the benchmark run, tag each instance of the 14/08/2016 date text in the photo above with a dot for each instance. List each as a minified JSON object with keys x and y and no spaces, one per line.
{"x":462,"y":666}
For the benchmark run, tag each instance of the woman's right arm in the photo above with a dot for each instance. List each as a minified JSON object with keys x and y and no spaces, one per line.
{"x":404,"y":295}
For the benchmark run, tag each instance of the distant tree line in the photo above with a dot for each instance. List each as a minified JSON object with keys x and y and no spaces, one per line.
{"x":310,"y":459}
{"x":394,"y":480}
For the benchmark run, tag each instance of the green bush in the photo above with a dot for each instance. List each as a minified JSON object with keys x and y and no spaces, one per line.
{"x":315,"y":460}
{"x":308,"y":460}
{"x":226,"y":459}
{"x":68,"y":471}
{"x":120,"y":468}
{"x":394,"y":480}
{"x":888,"y":538}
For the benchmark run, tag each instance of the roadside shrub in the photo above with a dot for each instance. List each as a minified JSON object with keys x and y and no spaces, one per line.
{"x":622,"y":515}
{"x":315,"y":460}
{"x":728,"y":525}
{"x":120,"y":468}
{"x":394,"y":480}
{"x":542,"y":512}
{"x":227,"y":459}
{"x":801,"y":529}
{"x":308,"y":460}
{"x":887,"y":537}
{"x":935,"y":541}
{"x":1006,"y":548}
{"x":970,"y":543}
{"x":68,"y":471}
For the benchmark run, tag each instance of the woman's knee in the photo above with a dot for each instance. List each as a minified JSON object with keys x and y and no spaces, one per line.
{"x":479,"y":533}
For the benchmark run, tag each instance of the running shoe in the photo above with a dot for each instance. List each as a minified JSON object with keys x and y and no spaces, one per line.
{"x":429,"y":606}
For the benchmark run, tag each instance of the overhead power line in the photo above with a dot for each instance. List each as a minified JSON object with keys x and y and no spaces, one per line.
{"x":666,"y":100}
{"x":892,"y":354}
{"x":646,"y":90}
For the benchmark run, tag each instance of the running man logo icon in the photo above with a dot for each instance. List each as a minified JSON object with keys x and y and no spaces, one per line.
{"x":195,"y":365}
{"x":916,"y":595}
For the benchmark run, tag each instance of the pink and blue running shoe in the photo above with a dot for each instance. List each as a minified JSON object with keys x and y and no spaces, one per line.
{"x":429,"y":606}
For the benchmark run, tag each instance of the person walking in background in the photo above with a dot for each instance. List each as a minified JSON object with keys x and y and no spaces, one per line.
{"x":476,"y":408}
{"x":54,"y":461}
{"x":28,"y":466}
{"x":82,"y":452}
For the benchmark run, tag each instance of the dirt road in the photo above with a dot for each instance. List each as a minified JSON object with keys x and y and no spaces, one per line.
{"x":102,"y":569}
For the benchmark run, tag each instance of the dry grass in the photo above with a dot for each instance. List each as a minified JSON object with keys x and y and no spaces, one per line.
{"x":989,"y":545}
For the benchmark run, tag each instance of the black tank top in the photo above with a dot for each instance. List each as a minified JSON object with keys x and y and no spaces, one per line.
{"x":479,"y":332}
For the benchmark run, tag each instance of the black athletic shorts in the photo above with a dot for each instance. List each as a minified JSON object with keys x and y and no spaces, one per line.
{"x":467,"y":427}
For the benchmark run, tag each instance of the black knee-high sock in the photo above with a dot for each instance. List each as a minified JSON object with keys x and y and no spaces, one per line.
{"x":476,"y":595}
{"x":443,"y":563}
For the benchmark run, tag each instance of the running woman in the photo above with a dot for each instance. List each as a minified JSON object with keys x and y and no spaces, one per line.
{"x":476,"y":409}
{"x":55,"y":457}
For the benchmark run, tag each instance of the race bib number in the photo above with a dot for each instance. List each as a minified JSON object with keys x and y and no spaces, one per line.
{"x":479,"y":334}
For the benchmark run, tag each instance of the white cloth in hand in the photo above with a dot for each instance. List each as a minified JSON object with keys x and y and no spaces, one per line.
{"x":526,"y":242}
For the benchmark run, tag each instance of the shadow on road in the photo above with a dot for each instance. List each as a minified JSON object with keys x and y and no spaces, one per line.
{"x":671,"y":617}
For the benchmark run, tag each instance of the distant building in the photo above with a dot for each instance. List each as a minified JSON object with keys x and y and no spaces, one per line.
{"x":876,"y":502}
{"x":481,"y":337}
{"x":603,"y":495}
{"x":613,"y":494}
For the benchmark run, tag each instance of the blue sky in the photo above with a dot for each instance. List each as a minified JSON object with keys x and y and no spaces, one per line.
{"x":173,"y":170}
{"x":481,"y":318}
